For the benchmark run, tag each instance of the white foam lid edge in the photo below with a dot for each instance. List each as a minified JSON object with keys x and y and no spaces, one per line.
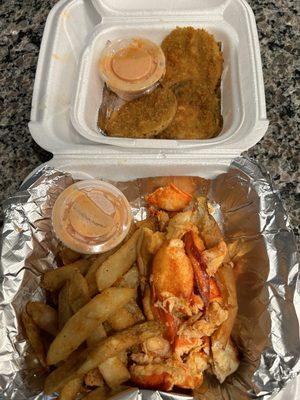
{"x":125,"y":8}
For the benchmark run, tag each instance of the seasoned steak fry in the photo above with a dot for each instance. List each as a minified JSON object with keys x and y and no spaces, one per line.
{"x":34,"y":337}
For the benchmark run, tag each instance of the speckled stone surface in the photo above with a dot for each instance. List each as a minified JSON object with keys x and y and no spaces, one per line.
{"x":22,"y":24}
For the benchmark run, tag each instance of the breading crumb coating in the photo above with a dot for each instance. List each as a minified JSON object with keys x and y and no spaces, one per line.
{"x":192,"y":54}
{"x":144,"y":117}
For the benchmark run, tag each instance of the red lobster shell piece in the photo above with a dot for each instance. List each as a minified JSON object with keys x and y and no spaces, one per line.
{"x":165,"y":376}
{"x":215,"y":292}
{"x":172,"y":283}
{"x":194,"y":248}
{"x":162,"y":381}
{"x":170,"y":322}
{"x":169,"y":198}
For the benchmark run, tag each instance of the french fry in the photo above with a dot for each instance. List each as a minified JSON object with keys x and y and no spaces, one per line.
{"x":91,"y":275}
{"x":93,"y":378}
{"x":149,"y":223}
{"x":121,"y":320}
{"x":148,"y":244}
{"x":54,"y":279}
{"x":91,"y":258}
{"x":98,"y":394}
{"x":44,"y":316}
{"x":135,"y":311}
{"x":71,"y":389}
{"x":78,"y":291}
{"x":64,"y":309}
{"x":226,"y":277}
{"x":127,"y":316}
{"x":66,"y":372}
{"x":52,"y":299}
{"x":114,"y":372}
{"x":143,"y":255}
{"x":123,"y":357}
{"x":233,"y":249}
{"x":68,"y":256}
{"x":147,"y":303}
{"x":34,"y":337}
{"x":130,"y":279}
{"x":117,"y":343}
{"x":97,"y":335}
{"x":238,"y":249}
{"x":118,"y":263}
{"x":108,"y":329}
{"x":80,"y":326}
{"x":47,"y":340}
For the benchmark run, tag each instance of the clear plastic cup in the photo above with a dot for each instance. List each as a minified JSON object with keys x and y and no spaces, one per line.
{"x":132,"y":66}
{"x":91,"y":217}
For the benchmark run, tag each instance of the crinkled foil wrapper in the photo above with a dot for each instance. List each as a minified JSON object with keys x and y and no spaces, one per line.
{"x":266,"y":331}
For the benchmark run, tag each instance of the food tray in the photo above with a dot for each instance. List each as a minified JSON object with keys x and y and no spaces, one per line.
{"x":242,"y":90}
{"x":252,"y":209}
{"x":61,"y":54}
{"x":63,"y":47}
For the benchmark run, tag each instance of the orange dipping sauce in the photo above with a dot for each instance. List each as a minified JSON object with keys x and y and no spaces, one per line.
{"x":131,"y":67}
{"x":91,"y":217}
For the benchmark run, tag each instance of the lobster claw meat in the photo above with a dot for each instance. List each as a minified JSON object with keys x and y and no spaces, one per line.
{"x":215,"y":292}
{"x":169,"y":320}
{"x":215,"y":256}
{"x":154,"y":380}
{"x":183,"y":344}
{"x":172,"y":284}
{"x":165,"y":376}
{"x":169,"y":198}
{"x":189,"y":259}
{"x":172,"y":272}
{"x":194,"y":248}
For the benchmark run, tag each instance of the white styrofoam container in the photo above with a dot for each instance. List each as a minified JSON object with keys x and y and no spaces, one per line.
{"x":233,"y":22}
{"x":230,"y":21}
{"x":70,"y":27}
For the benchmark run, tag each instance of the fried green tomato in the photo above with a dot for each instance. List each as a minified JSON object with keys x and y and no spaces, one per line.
{"x":192,"y":54}
{"x":144,"y":117}
{"x":198,"y":114}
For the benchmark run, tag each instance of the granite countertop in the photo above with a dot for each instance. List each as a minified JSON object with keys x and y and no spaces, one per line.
{"x":22,"y":25}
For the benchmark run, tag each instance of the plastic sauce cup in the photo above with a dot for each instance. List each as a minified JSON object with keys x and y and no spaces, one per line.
{"x":91,"y":217}
{"x":132,"y":66}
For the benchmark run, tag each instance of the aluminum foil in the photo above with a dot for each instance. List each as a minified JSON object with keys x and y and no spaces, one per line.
{"x":266,"y":331}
